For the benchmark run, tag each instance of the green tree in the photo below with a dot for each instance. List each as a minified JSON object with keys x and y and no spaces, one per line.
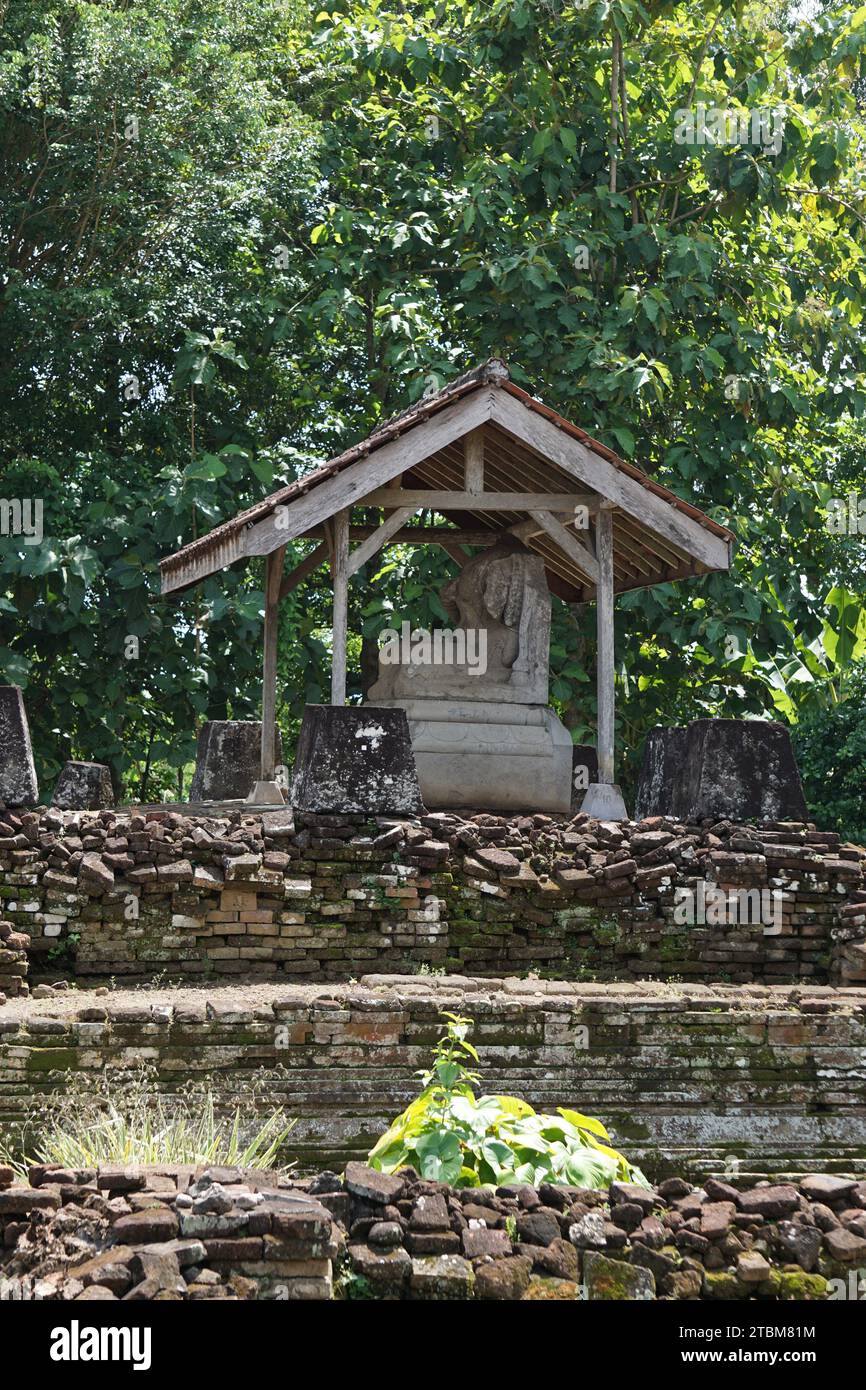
{"x":522,"y":179}
{"x":155,"y":177}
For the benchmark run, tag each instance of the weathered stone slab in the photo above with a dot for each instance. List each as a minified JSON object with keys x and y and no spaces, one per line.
{"x":18,"y":785}
{"x":356,"y":760}
{"x":83,"y":787}
{"x":228,"y":759}
{"x":742,"y":768}
{"x":373,"y":1186}
{"x":663,"y":757}
{"x":441,"y":1277}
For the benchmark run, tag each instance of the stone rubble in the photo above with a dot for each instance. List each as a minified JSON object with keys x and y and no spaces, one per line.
{"x":184,"y":1233}
{"x":418,"y":1239}
{"x":161,"y":1233}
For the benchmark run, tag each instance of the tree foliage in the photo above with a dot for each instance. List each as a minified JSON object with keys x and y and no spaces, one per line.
{"x":830,"y":745}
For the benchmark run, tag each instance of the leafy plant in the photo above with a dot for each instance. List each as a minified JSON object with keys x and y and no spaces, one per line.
{"x":830,"y":746}
{"x":451,"y":1136}
{"x":65,"y":949}
{"x":353,"y":1287}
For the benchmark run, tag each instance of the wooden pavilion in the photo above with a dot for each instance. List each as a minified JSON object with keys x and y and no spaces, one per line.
{"x":491,"y":459}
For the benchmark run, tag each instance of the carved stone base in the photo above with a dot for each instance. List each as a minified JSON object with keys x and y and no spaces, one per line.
{"x":490,"y":755}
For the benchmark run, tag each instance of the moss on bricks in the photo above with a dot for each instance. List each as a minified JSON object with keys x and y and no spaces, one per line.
{"x":719,"y":1284}
{"x":53,"y":1059}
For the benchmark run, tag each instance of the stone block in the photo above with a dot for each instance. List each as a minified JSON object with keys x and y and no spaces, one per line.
{"x":18,"y":786}
{"x":663,"y":758}
{"x":83,"y":787}
{"x":505,"y":1279}
{"x":742,"y":768}
{"x":386,"y":1271}
{"x":228,"y":759}
{"x":441,"y":1277}
{"x":612,"y":1280}
{"x":355,"y":761}
{"x":371,"y":1185}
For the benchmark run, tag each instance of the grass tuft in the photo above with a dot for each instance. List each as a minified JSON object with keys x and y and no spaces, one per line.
{"x":132,"y":1123}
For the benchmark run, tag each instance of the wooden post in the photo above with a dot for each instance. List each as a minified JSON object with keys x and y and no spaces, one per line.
{"x":604,"y":621}
{"x":340,"y":581}
{"x":473,"y":460}
{"x":273,"y":573}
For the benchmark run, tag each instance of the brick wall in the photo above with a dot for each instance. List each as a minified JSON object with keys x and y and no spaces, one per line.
{"x":128,"y":895}
{"x":684,"y":1075}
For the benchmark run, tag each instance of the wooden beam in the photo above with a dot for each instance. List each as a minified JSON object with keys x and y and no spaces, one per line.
{"x":605,"y":655}
{"x":304,"y":568}
{"x":525,"y":530}
{"x":473,"y":461}
{"x":352,"y":485}
{"x":589,"y":468}
{"x":422,"y":535}
{"x":458,"y":555}
{"x":340,"y":580}
{"x":438,"y":501}
{"x":569,"y":544}
{"x":273,"y":572}
{"x":384,"y":533}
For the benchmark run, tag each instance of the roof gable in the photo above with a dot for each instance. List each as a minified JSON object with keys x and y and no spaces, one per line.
{"x":658,"y":536}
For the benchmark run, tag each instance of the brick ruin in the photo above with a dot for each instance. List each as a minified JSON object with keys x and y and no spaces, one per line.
{"x":328,"y":897}
{"x":687,"y":1077}
{"x":316,"y":953}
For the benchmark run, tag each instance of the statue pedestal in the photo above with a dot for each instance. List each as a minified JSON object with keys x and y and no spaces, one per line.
{"x":489,"y":755}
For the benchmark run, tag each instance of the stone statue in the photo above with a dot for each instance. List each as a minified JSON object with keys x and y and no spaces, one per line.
{"x":498,"y":649}
{"x":476,"y":695}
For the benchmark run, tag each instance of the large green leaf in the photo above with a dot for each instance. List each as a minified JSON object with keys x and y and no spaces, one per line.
{"x":439,"y":1156}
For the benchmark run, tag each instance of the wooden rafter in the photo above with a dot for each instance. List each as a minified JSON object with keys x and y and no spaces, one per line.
{"x":575,"y":549}
{"x":379,"y":536}
{"x":352,"y":485}
{"x":590,"y":469}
